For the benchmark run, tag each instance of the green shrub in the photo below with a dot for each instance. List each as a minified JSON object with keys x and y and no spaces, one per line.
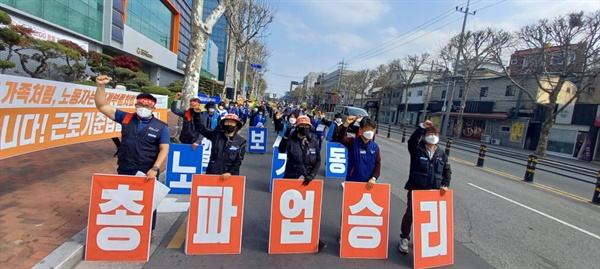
{"x":155,"y":90}
{"x":4,"y":18}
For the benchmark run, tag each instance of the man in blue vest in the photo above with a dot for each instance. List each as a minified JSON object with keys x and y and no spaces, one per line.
{"x":144,"y":138}
{"x":211,"y":118}
{"x":364,"y":158}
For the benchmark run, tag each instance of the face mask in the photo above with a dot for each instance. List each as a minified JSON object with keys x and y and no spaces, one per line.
{"x":303,"y":131}
{"x":338,"y":120}
{"x":211,"y":110}
{"x":368,"y":135}
{"x":259,"y":113}
{"x":432,"y":139}
{"x":221,"y":107}
{"x":292,"y":121}
{"x":229,"y":128}
{"x":256,"y":109}
{"x":143,"y":112}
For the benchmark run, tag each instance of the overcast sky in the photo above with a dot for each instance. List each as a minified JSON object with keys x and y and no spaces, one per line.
{"x":315,"y":35}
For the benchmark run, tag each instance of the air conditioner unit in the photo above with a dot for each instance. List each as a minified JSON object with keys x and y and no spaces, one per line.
{"x":496,"y":141}
{"x":485,"y":138}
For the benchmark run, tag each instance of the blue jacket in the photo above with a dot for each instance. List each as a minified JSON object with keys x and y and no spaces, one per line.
{"x":214,"y":120}
{"x":361,"y":161}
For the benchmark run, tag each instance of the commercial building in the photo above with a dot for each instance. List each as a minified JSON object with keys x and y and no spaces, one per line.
{"x":156,"y":32}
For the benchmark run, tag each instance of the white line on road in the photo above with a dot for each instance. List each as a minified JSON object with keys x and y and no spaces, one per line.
{"x":537,"y":211}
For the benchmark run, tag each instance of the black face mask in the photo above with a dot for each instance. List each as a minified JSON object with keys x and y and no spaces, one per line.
{"x":229,"y":128}
{"x":303,"y":131}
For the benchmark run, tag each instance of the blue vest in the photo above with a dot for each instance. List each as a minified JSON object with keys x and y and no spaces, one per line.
{"x":214,"y":120}
{"x":361,"y":165}
{"x":330,"y":132}
{"x":138,"y":151}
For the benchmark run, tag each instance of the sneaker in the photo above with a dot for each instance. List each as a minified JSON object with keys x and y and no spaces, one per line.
{"x":403,"y":246}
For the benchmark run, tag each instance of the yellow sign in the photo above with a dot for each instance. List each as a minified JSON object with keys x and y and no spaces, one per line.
{"x":516,"y":132}
{"x":437,"y":121}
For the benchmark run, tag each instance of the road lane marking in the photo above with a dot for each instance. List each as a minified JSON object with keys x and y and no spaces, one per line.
{"x":179,"y":236}
{"x":516,"y":178}
{"x":537,"y":211}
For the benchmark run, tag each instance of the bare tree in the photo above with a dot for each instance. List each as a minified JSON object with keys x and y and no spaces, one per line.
{"x":246,"y":21}
{"x":554,"y":53}
{"x":386,"y":78}
{"x":200,"y":33}
{"x":357,"y":82}
{"x":476,"y":51}
{"x":258,"y":53}
{"x":408,"y":68}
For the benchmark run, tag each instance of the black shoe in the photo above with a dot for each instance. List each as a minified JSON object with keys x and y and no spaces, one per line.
{"x":322,"y":245}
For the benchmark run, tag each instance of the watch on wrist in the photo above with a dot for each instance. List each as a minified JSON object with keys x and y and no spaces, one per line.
{"x":155,"y":168}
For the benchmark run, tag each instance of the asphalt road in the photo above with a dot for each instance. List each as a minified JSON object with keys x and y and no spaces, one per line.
{"x":498,"y":222}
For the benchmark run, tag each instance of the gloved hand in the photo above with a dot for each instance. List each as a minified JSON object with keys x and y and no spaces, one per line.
{"x":307,"y":180}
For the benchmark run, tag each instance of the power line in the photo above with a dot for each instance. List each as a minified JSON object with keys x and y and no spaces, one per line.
{"x":286,"y":76}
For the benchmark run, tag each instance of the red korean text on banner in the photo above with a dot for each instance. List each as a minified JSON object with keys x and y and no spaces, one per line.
{"x":295,"y":216}
{"x":433,"y":228}
{"x":365,"y":221}
{"x":120,"y":218}
{"x":216,"y":215}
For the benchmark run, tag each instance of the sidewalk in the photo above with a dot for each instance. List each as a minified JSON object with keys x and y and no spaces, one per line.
{"x":44,"y":197}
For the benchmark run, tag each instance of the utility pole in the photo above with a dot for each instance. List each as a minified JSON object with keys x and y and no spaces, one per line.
{"x":428,"y":94}
{"x":342,"y":65}
{"x":454,"y":72}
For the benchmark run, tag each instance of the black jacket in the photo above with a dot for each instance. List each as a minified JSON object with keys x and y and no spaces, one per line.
{"x":227,"y":153}
{"x":189,"y":133}
{"x":336,"y":129}
{"x":425,"y":173}
{"x":303,"y":156}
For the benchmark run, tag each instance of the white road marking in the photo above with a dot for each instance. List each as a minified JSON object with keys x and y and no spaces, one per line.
{"x":537,"y":211}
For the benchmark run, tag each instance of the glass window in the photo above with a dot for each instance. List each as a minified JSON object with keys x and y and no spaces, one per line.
{"x":152,"y":19}
{"x":443,"y":94}
{"x":419,"y":93}
{"x":510,"y":90}
{"x":483,"y":92}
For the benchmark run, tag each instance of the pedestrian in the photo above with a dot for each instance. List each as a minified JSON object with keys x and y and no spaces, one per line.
{"x":144,"y":138}
{"x":191,"y":117}
{"x":228,"y":147}
{"x":319,"y":126}
{"x":303,"y":157}
{"x":257,"y":119}
{"x":334,"y":127}
{"x":221,"y":109}
{"x":364,"y":157}
{"x":210,"y":117}
{"x":429,"y":170}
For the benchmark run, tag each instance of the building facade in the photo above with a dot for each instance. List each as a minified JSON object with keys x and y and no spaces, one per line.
{"x":155,"y":32}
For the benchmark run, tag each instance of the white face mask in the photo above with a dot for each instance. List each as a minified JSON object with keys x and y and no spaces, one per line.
{"x":338,"y":120}
{"x":432,"y":139}
{"x":211,"y":110}
{"x":220,"y":107}
{"x":292,"y":121}
{"x":143,"y":112}
{"x":368,"y":135}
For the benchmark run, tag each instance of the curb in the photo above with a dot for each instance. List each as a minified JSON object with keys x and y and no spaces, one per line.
{"x":68,"y":255}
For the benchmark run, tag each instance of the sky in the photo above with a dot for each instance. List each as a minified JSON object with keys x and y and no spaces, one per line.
{"x":316,"y":35}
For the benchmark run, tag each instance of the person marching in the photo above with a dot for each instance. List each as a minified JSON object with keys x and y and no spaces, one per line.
{"x":364,"y":157}
{"x":319,"y":125}
{"x":211,"y":118}
{"x":228,"y":147}
{"x":334,"y":127}
{"x":191,"y":118}
{"x":303,"y":156}
{"x":429,"y":170}
{"x":144,"y":138}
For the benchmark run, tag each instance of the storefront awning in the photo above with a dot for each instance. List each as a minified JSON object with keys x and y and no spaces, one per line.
{"x":371,"y":104}
{"x":498,"y":116}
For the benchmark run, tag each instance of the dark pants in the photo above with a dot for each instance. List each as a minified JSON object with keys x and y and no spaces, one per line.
{"x":121,"y":171}
{"x":408,"y":218}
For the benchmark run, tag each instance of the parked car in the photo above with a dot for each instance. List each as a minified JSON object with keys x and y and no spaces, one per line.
{"x":350,"y":111}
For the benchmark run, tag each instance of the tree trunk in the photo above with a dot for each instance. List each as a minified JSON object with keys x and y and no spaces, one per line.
{"x":542,"y":145}
{"x":403,"y":124}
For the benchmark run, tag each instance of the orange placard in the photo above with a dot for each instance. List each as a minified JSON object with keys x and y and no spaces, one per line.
{"x":365,"y":221}
{"x":216,"y":215}
{"x":295,"y":216}
{"x":433,"y":228}
{"x":39,"y":114}
{"x":120,"y":218}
